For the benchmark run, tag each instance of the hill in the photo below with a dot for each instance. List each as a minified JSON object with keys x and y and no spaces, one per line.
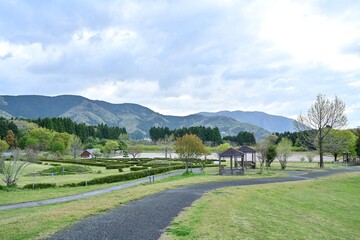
{"x":271,"y":123}
{"x":135,"y":118}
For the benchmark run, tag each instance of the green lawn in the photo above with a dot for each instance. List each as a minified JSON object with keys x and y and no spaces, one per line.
{"x":19,"y":195}
{"x":41,"y":222}
{"x":327,"y":208}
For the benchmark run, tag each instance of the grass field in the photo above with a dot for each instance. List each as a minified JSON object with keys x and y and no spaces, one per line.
{"x":17,"y":195}
{"x":40,"y":222}
{"x":318,"y":209}
{"x":25,"y":195}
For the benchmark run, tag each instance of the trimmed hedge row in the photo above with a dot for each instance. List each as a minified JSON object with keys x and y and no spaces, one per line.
{"x":138,"y":168}
{"x":124,"y":177}
{"x":118,"y":166}
{"x":82,"y":162}
{"x":39,"y":185}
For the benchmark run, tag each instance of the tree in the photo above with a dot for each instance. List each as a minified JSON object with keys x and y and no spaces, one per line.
{"x":3,"y":146}
{"x":322,"y":116}
{"x":110,"y":146}
{"x":266,"y":151}
{"x":11,"y":139}
{"x":134,"y":150}
{"x":43,"y":137}
{"x":283,"y":151}
{"x":75,"y":145}
{"x":339,"y":141}
{"x":357,"y":144}
{"x":10,"y":170}
{"x":221,"y":148}
{"x":245,"y":138}
{"x":271,"y":151}
{"x":167,"y":142}
{"x":58,"y":147}
{"x":188,"y":148}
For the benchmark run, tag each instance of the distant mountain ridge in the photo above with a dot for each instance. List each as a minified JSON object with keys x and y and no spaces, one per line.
{"x":135,"y":118}
{"x":271,"y":123}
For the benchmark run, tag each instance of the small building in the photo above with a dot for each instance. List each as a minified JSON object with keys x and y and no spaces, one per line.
{"x":89,"y":153}
{"x":234,"y":156}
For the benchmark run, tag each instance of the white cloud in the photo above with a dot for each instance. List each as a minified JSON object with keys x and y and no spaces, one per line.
{"x":122,"y":91}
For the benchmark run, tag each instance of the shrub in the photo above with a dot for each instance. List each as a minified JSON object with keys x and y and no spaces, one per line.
{"x":120,"y":170}
{"x":39,"y":185}
{"x":310,"y":156}
{"x":138,"y":168}
{"x":302,"y":159}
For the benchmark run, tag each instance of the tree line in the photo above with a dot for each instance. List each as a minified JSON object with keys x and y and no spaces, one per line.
{"x":206,"y":134}
{"x":83,"y":131}
{"x":243,"y":138}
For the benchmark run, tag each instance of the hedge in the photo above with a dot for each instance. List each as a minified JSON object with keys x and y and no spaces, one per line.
{"x":124,"y":177}
{"x":82,"y":162}
{"x":117,"y":166}
{"x":138,"y":168}
{"x":39,"y":185}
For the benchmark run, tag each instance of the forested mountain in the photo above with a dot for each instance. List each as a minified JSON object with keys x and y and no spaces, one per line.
{"x":266,"y":121}
{"x":135,"y":118}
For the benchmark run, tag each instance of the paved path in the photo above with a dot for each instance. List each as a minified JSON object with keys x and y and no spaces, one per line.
{"x":148,"y":217}
{"x":91,"y":193}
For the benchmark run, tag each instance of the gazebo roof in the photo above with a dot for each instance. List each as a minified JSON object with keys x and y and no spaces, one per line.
{"x":231,"y":152}
{"x":246,"y":149}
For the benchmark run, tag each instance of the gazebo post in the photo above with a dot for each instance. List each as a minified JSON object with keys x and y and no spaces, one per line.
{"x":219,"y":165}
{"x":242,"y":164}
{"x":231,"y":164}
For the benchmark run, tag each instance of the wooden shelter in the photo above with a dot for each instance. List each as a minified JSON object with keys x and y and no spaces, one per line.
{"x":234,"y":155}
{"x":248,"y":151}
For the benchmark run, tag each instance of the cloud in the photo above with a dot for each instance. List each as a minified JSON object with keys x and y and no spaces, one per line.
{"x":181,"y":57}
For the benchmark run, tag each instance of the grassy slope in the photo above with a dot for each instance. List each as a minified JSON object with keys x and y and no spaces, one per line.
{"x":317,"y":209}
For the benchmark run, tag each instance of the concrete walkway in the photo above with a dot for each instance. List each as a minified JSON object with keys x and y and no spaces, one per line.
{"x":148,"y":217}
{"x":91,"y":193}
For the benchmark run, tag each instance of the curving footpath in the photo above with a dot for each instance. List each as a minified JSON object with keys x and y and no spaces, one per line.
{"x":148,"y":217}
{"x":90,"y":193}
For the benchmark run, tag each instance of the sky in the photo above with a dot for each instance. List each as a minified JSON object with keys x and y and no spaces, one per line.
{"x":182,"y":57}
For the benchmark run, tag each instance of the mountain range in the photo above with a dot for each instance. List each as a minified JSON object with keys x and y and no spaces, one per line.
{"x":135,"y":118}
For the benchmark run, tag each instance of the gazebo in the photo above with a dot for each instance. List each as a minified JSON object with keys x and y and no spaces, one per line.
{"x":248,"y":151}
{"x":233,"y":154}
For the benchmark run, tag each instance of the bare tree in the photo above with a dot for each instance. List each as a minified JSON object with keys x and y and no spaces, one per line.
{"x":10,"y":170}
{"x":134,"y":150}
{"x":168,"y":142}
{"x":322,"y":116}
{"x":75,"y":145}
{"x":261,"y":150}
